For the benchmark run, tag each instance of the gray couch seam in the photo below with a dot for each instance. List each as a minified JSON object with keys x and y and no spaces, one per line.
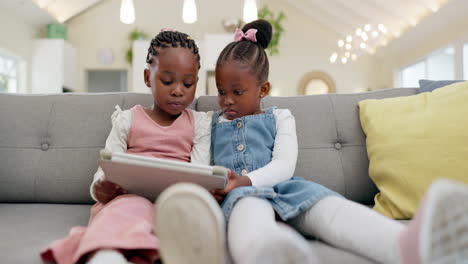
{"x":332,"y":147}
{"x":338,"y":136}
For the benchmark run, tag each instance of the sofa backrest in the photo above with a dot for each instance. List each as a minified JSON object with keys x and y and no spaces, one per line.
{"x":49,"y":144}
{"x":332,"y":145}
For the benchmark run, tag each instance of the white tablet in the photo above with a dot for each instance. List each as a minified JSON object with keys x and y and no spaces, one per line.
{"x":148,"y":176}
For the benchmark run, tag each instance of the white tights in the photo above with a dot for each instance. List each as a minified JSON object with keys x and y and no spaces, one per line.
{"x":339,"y":222}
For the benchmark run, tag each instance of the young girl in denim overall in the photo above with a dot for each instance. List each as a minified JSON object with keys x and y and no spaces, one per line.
{"x":120,"y":228}
{"x":260,"y":148}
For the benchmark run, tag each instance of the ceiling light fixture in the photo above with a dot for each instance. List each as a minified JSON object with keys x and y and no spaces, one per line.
{"x":189,"y":12}
{"x":368,"y":38}
{"x":333,"y":57}
{"x":340,"y":43}
{"x":250,"y":11}
{"x":127,"y":12}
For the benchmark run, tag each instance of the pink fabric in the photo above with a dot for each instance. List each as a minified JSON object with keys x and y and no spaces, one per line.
{"x":249,"y":35}
{"x":148,"y":138}
{"x":168,"y":29}
{"x":126,"y":222}
{"x":409,"y":239}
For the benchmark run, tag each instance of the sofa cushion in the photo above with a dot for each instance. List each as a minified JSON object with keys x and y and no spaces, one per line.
{"x":26,"y":229}
{"x":332,"y":148}
{"x":429,"y":86}
{"x":412,"y":141}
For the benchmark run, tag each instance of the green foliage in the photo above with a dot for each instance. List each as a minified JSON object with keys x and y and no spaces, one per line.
{"x":275,"y":21}
{"x":135,"y":34}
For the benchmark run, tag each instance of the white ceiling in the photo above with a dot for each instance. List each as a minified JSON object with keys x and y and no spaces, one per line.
{"x":40,"y":12}
{"x":345,"y":16}
{"x":341,"y":16}
{"x":27,"y":10}
{"x":63,"y":10}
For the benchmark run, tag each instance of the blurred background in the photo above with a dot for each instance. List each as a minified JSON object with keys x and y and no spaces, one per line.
{"x":333,"y":46}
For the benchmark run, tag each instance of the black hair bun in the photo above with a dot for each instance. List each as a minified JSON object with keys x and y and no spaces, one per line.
{"x":264,"y":32}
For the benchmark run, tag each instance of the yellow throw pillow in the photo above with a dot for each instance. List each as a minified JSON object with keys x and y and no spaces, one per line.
{"x":412,"y":141}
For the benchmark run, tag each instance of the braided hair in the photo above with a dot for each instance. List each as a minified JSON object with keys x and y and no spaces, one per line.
{"x":251,"y":53}
{"x":175,"y":39}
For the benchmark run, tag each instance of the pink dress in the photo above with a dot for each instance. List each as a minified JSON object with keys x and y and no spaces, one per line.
{"x":126,"y":222}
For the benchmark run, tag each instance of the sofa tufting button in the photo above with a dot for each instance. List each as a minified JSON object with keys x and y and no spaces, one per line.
{"x":45,"y":146}
{"x":338,"y":146}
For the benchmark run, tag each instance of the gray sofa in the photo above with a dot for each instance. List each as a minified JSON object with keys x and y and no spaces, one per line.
{"x":49,"y":149}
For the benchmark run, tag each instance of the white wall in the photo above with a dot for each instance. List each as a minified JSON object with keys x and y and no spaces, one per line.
{"x":17,"y":38}
{"x":305,"y":45}
{"x":446,"y":27}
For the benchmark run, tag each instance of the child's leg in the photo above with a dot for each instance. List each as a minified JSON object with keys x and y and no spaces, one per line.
{"x":124,"y":222}
{"x":353,"y":227}
{"x":438,"y":233}
{"x":255,"y":237}
{"x":190,"y":226}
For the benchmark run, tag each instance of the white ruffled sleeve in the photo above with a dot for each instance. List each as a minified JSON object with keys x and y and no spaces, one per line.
{"x":116,"y":141}
{"x":202,"y":141}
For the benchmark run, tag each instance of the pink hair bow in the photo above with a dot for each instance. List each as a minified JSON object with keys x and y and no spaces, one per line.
{"x":168,"y":29}
{"x":249,"y":35}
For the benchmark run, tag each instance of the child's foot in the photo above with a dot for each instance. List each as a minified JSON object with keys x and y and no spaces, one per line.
{"x":285,"y":245}
{"x":439,"y":231}
{"x":190,"y":226}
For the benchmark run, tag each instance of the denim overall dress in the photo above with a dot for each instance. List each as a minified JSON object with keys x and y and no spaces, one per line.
{"x":246,"y":144}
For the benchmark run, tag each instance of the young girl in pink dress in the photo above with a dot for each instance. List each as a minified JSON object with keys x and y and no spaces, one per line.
{"x":120,"y":226}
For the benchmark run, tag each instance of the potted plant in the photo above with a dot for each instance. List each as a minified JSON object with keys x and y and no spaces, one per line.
{"x":135,"y":34}
{"x":275,"y":21}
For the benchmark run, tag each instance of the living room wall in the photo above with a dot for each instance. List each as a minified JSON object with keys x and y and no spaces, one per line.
{"x":305,"y":46}
{"x":446,"y":27}
{"x":17,"y":37}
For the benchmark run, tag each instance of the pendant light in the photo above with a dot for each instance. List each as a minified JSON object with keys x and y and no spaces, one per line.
{"x":250,"y":11}
{"x":127,"y":12}
{"x":189,"y":12}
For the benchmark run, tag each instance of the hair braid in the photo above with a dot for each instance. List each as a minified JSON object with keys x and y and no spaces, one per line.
{"x":166,"y":39}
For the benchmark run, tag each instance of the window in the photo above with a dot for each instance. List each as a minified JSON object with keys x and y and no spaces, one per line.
{"x":9,"y":67}
{"x":439,"y":65}
{"x":465,"y":62}
{"x":412,"y":74}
